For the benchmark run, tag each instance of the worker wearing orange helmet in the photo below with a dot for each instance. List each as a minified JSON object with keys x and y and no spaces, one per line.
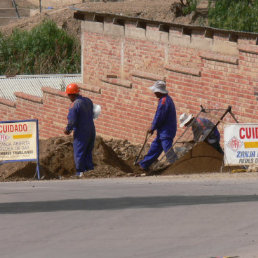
{"x":80,"y":121}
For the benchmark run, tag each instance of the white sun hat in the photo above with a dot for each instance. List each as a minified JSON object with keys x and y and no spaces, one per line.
{"x":184,"y":119}
{"x":159,"y":86}
{"x":96,"y":111}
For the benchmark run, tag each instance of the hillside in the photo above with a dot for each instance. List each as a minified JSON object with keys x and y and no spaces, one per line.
{"x":62,"y":12}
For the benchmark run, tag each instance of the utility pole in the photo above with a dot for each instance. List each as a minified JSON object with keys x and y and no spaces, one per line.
{"x":40,"y":6}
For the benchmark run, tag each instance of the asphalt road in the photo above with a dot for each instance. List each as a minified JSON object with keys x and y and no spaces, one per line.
{"x":165,"y":217}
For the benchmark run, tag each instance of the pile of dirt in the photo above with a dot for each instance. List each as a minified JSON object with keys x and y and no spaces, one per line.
{"x":56,"y":161}
{"x":200,"y":159}
{"x":112,"y":158}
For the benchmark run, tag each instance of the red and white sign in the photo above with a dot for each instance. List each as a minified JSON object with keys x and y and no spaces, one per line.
{"x":241,"y":144}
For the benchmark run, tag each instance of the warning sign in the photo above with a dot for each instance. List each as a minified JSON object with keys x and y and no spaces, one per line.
{"x":18,"y":140}
{"x":241,"y":144}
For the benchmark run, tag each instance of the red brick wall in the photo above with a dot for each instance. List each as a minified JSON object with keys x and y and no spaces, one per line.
{"x":51,"y":110}
{"x":212,"y":68}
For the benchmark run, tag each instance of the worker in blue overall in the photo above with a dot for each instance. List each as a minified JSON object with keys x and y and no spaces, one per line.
{"x":203,"y":130}
{"x":165,"y":124}
{"x":80,"y":121}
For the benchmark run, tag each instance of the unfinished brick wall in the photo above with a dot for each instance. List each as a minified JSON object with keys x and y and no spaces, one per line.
{"x":122,"y":57}
{"x":202,"y":66}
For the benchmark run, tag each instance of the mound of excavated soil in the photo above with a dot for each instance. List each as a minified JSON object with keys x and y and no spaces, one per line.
{"x":56,"y":160}
{"x":200,"y":159}
{"x":112,"y":158}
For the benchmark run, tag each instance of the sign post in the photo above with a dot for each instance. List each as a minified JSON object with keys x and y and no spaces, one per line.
{"x":241,"y":144}
{"x":19,"y":141}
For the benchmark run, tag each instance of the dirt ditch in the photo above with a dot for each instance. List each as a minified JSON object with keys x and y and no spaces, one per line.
{"x":112,"y":158}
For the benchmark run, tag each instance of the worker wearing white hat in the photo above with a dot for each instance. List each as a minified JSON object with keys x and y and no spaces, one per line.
{"x":185,"y":119}
{"x":165,"y":124}
{"x":203,"y":130}
{"x":159,"y":86}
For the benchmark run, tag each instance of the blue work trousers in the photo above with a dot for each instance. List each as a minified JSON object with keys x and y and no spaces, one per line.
{"x":83,"y":153}
{"x":156,"y":148}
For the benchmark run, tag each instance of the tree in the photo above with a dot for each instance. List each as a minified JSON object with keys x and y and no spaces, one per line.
{"x":240,"y":15}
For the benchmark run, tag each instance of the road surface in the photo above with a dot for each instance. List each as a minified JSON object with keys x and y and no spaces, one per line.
{"x":167,"y":217}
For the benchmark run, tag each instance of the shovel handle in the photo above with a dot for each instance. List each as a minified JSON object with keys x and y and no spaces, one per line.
{"x":147,"y":136}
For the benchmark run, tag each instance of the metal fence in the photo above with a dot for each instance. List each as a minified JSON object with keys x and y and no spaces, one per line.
{"x":32,"y":84}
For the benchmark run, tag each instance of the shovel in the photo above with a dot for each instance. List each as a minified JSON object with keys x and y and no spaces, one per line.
{"x":145,"y":141}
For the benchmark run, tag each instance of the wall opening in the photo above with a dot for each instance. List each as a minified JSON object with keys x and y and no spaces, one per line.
{"x":209,"y":34}
{"x":233,"y":37}
{"x":99,"y":18}
{"x":141,"y":24}
{"x":187,"y":31}
{"x":119,"y":22}
{"x":164,"y":28}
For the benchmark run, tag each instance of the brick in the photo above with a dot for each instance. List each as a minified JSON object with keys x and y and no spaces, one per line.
{"x":253,"y":49}
{"x":94,"y":27}
{"x":183,"y":40}
{"x":201,"y":43}
{"x":7,"y":102}
{"x":148,"y":76}
{"x":28,"y":97}
{"x":219,"y":57}
{"x":183,"y":69}
{"x":118,"y":82}
{"x":131,"y":31}
{"x":113,"y":29}
{"x":226,"y":74}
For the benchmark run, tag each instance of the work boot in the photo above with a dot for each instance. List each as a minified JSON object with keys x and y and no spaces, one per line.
{"x":79,"y":174}
{"x":143,"y":169}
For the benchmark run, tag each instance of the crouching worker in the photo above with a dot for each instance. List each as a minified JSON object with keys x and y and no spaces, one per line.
{"x":203,"y":130}
{"x":80,"y":121}
{"x":165,"y":124}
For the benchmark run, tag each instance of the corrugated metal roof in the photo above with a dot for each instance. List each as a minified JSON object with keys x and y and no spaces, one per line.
{"x":32,"y":84}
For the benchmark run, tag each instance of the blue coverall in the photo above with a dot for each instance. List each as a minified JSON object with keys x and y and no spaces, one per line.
{"x":80,"y":120}
{"x":201,"y":127}
{"x":166,"y":125}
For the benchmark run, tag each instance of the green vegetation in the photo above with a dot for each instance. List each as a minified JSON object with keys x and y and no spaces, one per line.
{"x":188,"y":6}
{"x":240,"y":15}
{"x":46,"y":49}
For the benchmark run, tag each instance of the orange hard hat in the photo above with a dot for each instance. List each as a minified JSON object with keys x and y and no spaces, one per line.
{"x":72,"y":88}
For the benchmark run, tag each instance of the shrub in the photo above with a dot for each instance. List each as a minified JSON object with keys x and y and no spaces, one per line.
{"x":240,"y":15}
{"x":188,"y":6}
{"x":45,"y":49}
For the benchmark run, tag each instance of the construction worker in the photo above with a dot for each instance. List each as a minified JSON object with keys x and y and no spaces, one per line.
{"x":203,"y":130}
{"x":165,"y":124}
{"x":80,"y":121}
